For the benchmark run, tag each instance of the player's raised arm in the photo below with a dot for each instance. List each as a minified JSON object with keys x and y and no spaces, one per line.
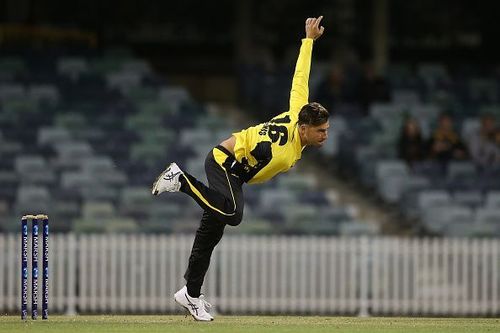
{"x":300,"y":84}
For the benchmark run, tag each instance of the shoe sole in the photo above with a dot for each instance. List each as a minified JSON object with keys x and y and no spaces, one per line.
{"x":154,"y":190}
{"x":190,"y":311}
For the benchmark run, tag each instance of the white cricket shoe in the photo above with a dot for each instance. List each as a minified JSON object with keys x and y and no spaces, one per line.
{"x":197,"y":307}
{"x":168,"y":180}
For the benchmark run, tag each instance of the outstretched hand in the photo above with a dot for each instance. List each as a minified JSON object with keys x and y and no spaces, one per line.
{"x":313,"y":30}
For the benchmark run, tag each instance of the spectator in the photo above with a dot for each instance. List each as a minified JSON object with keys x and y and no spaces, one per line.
{"x":445,"y":144}
{"x":411,"y":147}
{"x":481,"y":142}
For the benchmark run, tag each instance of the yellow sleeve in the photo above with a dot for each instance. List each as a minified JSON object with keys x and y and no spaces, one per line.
{"x":299,"y":95}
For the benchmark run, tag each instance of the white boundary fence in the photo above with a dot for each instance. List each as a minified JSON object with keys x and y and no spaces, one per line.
{"x":267,"y":274}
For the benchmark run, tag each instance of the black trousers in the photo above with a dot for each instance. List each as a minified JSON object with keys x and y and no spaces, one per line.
{"x":222,"y":202}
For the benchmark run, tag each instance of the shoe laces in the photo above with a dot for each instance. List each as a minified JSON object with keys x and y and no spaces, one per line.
{"x":170,"y":175}
{"x":204,"y":302}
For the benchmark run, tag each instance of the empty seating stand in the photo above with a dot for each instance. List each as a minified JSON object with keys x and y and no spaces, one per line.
{"x":101,"y":128}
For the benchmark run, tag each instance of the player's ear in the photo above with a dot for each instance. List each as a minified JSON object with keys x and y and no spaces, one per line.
{"x":302,"y":128}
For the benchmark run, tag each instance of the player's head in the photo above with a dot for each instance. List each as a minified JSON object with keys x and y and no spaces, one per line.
{"x":313,"y":124}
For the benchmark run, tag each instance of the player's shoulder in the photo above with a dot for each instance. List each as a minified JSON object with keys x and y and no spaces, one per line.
{"x":284,"y":118}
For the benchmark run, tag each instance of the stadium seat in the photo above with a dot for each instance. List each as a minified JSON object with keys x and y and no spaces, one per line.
{"x":75,"y":180}
{"x":405,"y":97}
{"x":72,"y":67}
{"x":97,"y":164}
{"x":20,"y":109}
{"x":430,"y":198}
{"x":470,"y":126}
{"x":140,"y":67}
{"x":437,"y":218}
{"x":484,"y":90}
{"x":72,"y":121}
{"x":52,"y":135}
{"x":382,"y":111}
{"x":427,"y":112}
{"x":272,"y":199}
{"x":488,"y":215}
{"x":174,"y":96}
{"x":470,"y":199}
{"x":10,"y":181}
{"x":468,"y":229}
{"x":492,"y":199}
{"x":97,"y":191}
{"x":11,"y":92}
{"x":98,"y":210}
{"x":104,"y":65}
{"x":123,"y":81}
{"x":156,"y":107}
{"x":358,"y":228}
{"x":493,"y":109}
{"x":314,"y":197}
{"x":10,"y":67}
{"x":92,"y":225}
{"x":34,"y":170}
{"x":31,"y":198}
{"x":72,"y":154}
{"x":148,"y":153}
{"x":44,"y":93}
{"x":118,"y":225}
{"x":196,"y":167}
{"x":385,"y":169}
{"x":135,"y":201}
{"x":142,"y":95}
{"x":193,"y":136}
{"x":298,"y":182}
{"x":432,"y":74}
{"x":335,"y":215}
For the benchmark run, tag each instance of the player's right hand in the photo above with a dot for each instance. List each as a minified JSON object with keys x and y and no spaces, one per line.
{"x":313,"y":30}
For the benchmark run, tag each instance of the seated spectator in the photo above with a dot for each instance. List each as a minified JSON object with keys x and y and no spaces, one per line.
{"x":445,"y":144}
{"x":481,"y":142}
{"x":411,"y":147}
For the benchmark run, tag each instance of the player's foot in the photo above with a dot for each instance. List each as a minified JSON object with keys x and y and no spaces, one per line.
{"x":168,"y":180}
{"x":197,"y":307}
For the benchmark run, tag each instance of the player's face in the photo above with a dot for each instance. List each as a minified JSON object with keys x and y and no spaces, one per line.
{"x":317,"y":135}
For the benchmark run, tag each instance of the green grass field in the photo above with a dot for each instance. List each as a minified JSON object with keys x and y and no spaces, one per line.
{"x":234,"y":324}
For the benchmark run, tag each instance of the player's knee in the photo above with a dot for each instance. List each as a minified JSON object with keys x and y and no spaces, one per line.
{"x":233,"y":222}
{"x":235,"y":219}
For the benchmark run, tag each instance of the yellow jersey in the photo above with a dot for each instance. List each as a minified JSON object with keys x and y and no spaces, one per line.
{"x":274,"y":147}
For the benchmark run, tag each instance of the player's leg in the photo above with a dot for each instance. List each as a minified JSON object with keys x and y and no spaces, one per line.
{"x":221,"y":197}
{"x":223,"y":189}
{"x":212,"y":224}
{"x":207,"y":237}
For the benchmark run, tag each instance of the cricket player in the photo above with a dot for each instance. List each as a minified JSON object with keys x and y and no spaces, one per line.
{"x":253,"y":155}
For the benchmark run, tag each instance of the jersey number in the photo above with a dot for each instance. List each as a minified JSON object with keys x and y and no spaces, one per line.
{"x":278,"y":133}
